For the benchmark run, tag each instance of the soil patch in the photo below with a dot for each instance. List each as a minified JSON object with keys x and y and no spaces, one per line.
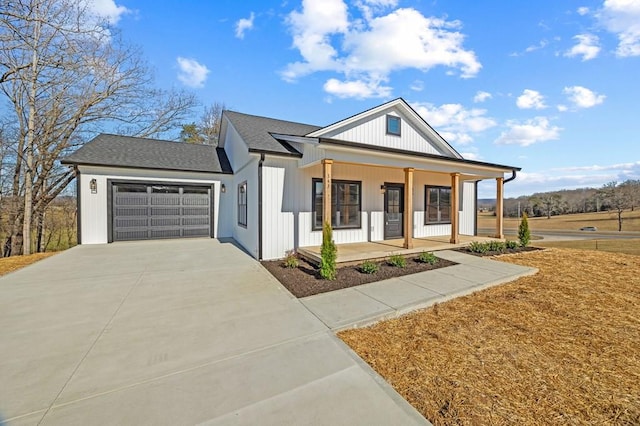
{"x":557,"y":347}
{"x":305,"y":280}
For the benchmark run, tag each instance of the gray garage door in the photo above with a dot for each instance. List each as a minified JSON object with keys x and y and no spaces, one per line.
{"x":144,"y":212}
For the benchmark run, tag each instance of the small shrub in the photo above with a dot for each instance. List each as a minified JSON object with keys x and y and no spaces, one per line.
{"x":524,"y":235}
{"x":291,"y":261}
{"x":512,"y":245}
{"x":369,"y":267}
{"x":498,"y":246}
{"x":397,"y":260}
{"x":427,"y":257}
{"x":478,"y":247}
{"x":328,"y":254}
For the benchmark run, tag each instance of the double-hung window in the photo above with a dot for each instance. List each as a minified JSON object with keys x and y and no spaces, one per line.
{"x":346,"y":204}
{"x":437,"y":200}
{"x":242,"y":204}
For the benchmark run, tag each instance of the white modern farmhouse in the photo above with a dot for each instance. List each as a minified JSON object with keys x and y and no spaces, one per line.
{"x":381,"y":174}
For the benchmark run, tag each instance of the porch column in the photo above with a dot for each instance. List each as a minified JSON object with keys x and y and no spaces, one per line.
{"x":408,"y":207}
{"x":455,"y":207}
{"x":326,"y":192}
{"x":499,"y":207}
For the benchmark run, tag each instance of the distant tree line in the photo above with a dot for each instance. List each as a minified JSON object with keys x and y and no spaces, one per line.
{"x":613,"y":196}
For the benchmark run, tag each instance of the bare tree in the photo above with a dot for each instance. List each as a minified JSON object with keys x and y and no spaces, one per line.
{"x":66,"y":72}
{"x":550,"y":202}
{"x":617,"y":198}
{"x":210,"y":123}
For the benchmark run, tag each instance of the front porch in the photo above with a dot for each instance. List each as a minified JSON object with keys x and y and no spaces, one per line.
{"x":353,"y":253}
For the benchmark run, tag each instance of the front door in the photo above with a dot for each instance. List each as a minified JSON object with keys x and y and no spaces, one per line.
{"x":393,"y":211}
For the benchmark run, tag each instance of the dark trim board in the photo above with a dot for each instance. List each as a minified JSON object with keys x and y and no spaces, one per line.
{"x":111,"y":182}
{"x":78,"y":209}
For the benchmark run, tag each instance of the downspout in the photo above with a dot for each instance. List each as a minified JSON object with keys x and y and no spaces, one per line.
{"x":78,"y":210}
{"x":260,"y":206}
{"x":513,"y":176}
{"x":475,"y":216}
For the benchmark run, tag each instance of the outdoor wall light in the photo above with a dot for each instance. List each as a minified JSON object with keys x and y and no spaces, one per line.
{"x":223,"y":188}
{"x":93,"y":185}
{"x":382,"y":189}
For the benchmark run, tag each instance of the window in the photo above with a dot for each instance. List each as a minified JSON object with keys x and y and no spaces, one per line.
{"x":393,"y":125}
{"x":345,"y":204}
{"x":242,"y":204}
{"x":437,"y":204}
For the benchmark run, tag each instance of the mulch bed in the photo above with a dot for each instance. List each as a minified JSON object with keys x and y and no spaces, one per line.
{"x":559,"y":347}
{"x":498,"y":253}
{"x":306,"y":280}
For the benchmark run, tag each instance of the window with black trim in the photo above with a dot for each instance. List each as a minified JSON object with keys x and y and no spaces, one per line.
{"x":393,"y":125}
{"x":242,"y":204}
{"x":437,"y":204}
{"x":346,"y":202}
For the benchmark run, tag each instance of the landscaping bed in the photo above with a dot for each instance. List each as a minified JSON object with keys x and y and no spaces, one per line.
{"x":305,"y":280}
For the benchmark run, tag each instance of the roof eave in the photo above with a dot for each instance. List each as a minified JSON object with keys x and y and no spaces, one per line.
{"x":361,"y":146}
{"x":93,"y":164}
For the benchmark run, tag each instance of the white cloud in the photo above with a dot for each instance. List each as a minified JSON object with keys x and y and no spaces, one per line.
{"x":471,"y":156}
{"x":562,"y":108}
{"x":454,"y":122}
{"x":356,"y":89}
{"x":581,"y":97}
{"x":533,"y":48}
{"x":529,"y":132}
{"x":481,"y":96}
{"x":243,"y":25}
{"x":107,"y":9}
{"x":622,"y":18}
{"x":417,"y":86}
{"x":583,"y":11}
{"x":530,"y":99}
{"x":598,"y":168}
{"x":587,"y":47}
{"x":370,"y":48}
{"x":191,"y":72}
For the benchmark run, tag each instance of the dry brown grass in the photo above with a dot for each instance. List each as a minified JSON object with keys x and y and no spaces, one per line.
{"x":10,"y":264}
{"x":629,"y":246}
{"x":604,"y":221}
{"x":560,"y":347}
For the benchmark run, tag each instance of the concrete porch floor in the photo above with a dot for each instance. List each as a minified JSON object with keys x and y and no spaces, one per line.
{"x":352,"y":253}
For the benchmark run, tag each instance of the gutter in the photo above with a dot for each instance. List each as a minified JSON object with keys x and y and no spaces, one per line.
{"x":513,"y":176}
{"x":260,"y":205}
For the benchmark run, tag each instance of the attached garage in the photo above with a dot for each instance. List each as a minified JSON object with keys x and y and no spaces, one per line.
{"x":146,"y":189}
{"x":141,"y":211}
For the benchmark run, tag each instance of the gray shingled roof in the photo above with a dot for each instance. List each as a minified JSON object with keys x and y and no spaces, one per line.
{"x":125,"y":151}
{"x":255,"y":131}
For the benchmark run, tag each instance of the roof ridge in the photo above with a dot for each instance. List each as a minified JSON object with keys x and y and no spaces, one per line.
{"x":271,"y":118}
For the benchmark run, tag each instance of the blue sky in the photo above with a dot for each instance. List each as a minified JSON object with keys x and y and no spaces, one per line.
{"x":549,"y":86}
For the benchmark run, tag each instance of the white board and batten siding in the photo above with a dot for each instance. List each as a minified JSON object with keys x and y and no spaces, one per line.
{"x":93,"y":207}
{"x":374,"y":132}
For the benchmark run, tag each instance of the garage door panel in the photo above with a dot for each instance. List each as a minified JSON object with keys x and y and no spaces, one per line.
{"x":155,"y":211}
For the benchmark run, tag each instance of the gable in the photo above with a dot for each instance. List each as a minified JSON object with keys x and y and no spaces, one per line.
{"x":370,"y":128}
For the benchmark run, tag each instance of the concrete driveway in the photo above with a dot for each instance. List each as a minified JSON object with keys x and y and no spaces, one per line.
{"x":174,"y":332}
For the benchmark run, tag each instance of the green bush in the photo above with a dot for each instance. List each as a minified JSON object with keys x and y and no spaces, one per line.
{"x":291,"y":261}
{"x":524,"y":235}
{"x":328,"y":254}
{"x":478,"y":247}
{"x":397,"y":260}
{"x":369,"y":267}
{"x":427,"y":257}
{"x":498,"y":246}
{"x":511,"y":244}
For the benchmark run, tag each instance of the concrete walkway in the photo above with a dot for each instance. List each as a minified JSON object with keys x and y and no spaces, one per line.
{"x":175,"y":332}
{"x":369,"y":303}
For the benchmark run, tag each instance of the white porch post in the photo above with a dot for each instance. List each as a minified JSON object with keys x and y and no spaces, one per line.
{"x":499,"y":207}
{"x":326,"y":192}
{"x":455,"y":207}
{"x":408,"y":207}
